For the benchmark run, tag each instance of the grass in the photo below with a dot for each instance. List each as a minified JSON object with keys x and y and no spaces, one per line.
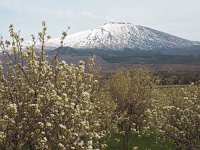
{"x":142,"y":142}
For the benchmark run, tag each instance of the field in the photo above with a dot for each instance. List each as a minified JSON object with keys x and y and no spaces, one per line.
{"x":139,"y":143}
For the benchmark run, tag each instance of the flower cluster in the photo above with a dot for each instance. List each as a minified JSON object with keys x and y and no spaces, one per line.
{"x":176,"y":116}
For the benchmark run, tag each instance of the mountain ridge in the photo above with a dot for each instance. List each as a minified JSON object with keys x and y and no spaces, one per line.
{"x":119,"y":36}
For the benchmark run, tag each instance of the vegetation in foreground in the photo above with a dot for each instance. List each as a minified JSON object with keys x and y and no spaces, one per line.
{"x":53,"y":105}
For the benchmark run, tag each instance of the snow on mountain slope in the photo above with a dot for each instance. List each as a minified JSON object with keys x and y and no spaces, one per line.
{"x":122,"y":35}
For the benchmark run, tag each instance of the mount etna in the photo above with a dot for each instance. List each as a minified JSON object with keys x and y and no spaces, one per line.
{"x":120,"y":36}
{"x":126,"y":44}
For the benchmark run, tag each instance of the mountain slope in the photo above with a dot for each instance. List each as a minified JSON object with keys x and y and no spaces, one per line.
{"x":118,"y":36}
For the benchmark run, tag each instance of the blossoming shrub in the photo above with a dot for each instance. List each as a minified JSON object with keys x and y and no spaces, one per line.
{"x":50,"y":104}
{"x":131,"y":90}
{"x":176,"y":116}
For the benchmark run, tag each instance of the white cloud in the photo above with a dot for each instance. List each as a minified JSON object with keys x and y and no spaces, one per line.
{"x":96,"y":17}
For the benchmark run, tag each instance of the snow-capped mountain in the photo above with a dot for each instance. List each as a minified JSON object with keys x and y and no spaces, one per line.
{"x":120,"y":35}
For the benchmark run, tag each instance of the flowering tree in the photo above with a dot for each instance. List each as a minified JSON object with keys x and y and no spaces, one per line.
{"x":176,"y":116}
{"x":131,"y":90}
{"x":50,"y":104}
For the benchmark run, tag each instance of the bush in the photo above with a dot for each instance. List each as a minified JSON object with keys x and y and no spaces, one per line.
{"x":176,"y":116}
{"x":50,"y":105}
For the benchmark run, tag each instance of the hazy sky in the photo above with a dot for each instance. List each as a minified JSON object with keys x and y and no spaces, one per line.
{"x":178,"y":17}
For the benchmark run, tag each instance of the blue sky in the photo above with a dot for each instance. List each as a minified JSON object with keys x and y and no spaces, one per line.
{"x":178,"y":17}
